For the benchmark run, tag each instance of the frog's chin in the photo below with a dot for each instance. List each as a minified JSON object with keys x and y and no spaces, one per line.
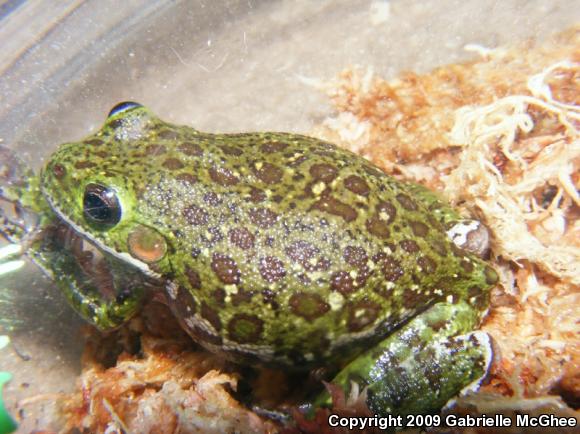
{"x":96,"y":244}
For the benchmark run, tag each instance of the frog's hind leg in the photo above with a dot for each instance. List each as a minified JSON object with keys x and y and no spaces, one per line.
{"x":419,"y":368}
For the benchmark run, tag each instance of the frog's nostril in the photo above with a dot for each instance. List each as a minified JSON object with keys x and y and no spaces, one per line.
{"x":122,"y":107}
{"x":59,"y":171}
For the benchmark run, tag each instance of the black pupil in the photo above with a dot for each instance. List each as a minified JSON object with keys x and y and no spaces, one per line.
{"x":101,"y":205}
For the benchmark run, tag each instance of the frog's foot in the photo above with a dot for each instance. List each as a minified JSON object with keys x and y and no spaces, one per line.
{"x":419,"y":368}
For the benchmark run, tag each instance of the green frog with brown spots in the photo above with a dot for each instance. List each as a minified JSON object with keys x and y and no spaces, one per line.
{"x":269,"y":248}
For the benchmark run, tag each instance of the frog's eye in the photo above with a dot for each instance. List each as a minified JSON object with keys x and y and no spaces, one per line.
{"x":122,"y":107}
{"x":101,"y":205}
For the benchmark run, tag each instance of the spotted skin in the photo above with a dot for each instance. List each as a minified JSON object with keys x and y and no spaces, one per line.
{"x":276,"y":247}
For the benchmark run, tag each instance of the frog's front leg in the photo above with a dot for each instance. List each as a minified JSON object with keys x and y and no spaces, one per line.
{"x":419,"y":368}
{"x":101,"y":288}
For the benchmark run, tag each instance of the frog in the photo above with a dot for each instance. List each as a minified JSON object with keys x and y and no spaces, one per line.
{"x":270,"y":249}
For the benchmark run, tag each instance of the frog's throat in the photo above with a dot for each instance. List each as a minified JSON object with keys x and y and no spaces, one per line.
{"x":125,"y":257}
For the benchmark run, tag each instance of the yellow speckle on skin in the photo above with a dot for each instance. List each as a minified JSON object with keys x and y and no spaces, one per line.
{"x":353,"y":274}
{"x":336,"y":300}
{"x":383,"y":216}
{"x":449,"y":299}
{"x":318,"y":188}
{"x":231,"y":289}
{"x":259,"y":165}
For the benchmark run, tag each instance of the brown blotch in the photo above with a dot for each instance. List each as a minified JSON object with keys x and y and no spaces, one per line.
{"x":411,"y":298}
{"x":390,"y":267}
{"x":323,"y":172}
{"x":356,"y":256}
{"x":308,"y":306}
{"x":407,"y":203}
{"x":466,"y":265}
{"x":193,"y":278}
{"x":263,"y":217}
{"x":186,"y":178}
{"x":439,"y":247}
{"x":184,"y":301}
{"x":173,"y":164}
{"x":427,"y":264}
{"x":84,"y":164}
{"x":190,"y":149}
{"x":211,"y":316}
{"x":195,"y":215}
{"x":378,"y":227}
{"x":257,"y":195}
{"x":301,"y":251}
{"x":357,"y":185}
{"x":245,"y":329}
{"x":231,"y":150}
{"x":409,"y":246}
{"x":296,"y":163}
{"x":419,"y":229}
{"x":153,"y":150}
{"x":342,"y":282}
{"x":334,"y":206}
{"x":211,"y":198}
{"x":58,"y":171}
{"x":242,"y":296}
{"x":457,"y":251}
{"x":223,"y":176}
{"x":305,"y":253}
{"x":271,"y":147}
{"x":225,"y":268}
{"x":219,"y":296}
{"x":384,"y":291}
{"x":362,"y":314}
{"x":491,"y":276}
{"x":269,"y":297}
{"x":268,"y":173}
{"x":474,"y":291}
{"x":242,"y":238}
{"x":271,"y":269}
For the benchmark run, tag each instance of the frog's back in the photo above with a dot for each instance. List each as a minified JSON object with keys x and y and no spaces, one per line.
{"x":280,"y":247}
{"x":290,"y":249}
